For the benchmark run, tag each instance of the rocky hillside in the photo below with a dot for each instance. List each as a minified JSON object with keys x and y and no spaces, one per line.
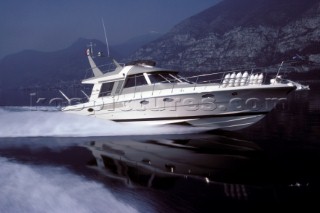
{"x":244,"y":33}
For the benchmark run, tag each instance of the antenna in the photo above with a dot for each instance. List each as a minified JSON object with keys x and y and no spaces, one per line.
{"x":105,"y":35}
{"x":279,"y":69}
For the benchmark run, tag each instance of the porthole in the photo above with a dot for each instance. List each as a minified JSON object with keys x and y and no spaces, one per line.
{"x":208,"y":96}
{"x":90,"y":110}
{"x":167,"y":99}
{"x":144,"y":102}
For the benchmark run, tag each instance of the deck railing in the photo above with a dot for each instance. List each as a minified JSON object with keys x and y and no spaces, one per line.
{"x":231,"y":78}
{"x":234,"y":78}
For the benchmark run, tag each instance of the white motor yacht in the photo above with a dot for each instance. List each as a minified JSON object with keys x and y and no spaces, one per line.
{"x":140,"y":92}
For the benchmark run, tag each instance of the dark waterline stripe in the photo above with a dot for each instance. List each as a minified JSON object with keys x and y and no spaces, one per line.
{"x":191,"y":117}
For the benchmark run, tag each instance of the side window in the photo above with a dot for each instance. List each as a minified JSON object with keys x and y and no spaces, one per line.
{"x":106,"y":89}
{"x":141,"y":80}
{"x":131,"y":82}
{"x":135,"y":80}
{"x":155,"y":78}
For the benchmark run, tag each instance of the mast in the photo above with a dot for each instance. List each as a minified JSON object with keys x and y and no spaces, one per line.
{"x":95,"y":70}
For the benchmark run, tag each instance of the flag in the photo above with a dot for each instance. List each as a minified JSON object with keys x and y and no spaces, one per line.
{"x":88,"y":52}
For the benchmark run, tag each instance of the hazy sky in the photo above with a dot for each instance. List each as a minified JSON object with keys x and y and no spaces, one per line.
{"x":48,"y":25}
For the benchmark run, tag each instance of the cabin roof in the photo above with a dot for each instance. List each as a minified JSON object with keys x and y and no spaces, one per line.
{"x":114,"y":75}
{"x":136,"y":69}
{"x":120,"y":73}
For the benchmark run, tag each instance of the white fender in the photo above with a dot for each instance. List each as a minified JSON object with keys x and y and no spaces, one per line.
{"x":251,"y":79}
{"x":232,"y":79}
{"x":255,"y":79}
{"x":260,"y":79}
{"x":238,"y":79}
{"x":226,"y":80}
{"x":244,"y":78}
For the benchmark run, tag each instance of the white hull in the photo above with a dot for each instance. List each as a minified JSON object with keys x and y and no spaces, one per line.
{"x":224,"y":123}
{"x":221,"y":111}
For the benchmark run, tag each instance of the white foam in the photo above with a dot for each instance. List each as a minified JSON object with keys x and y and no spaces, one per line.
{"x":26,"y":188}
{"x":22,"y":123}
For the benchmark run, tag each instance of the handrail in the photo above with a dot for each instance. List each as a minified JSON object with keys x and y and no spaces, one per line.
{"x":205,"y":74}
{"x":235,"y":78}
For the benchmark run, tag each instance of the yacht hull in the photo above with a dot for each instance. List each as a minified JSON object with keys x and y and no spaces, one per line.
{"x":226,"y":108}
{"x":233,"y":122}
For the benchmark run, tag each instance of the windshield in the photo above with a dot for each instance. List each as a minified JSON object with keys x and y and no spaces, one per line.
{"x":164,"y":77}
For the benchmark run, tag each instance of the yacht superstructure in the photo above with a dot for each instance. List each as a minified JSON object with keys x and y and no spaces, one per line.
{"x":141,"y":92}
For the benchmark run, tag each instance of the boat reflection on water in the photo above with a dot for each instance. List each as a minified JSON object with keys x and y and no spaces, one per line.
{"x":229,"y":165}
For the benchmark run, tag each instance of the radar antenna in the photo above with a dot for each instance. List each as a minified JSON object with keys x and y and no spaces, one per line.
{"x":105,"y":35}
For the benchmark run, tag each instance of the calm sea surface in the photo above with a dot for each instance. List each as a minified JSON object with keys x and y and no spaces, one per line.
{"x":50,"y":162}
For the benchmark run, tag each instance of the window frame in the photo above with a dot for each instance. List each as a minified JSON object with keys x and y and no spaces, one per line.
{"x":106,"y":89}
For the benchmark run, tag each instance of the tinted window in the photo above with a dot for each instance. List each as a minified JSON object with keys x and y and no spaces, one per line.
{"x":164,"y":78}
{"x":168,"y":77}
{"x":135,"y":80}
{"x":131,"y":82}
{"x":155,"y":78}
{"x":106,"y":89}
{"x":140,"y":80}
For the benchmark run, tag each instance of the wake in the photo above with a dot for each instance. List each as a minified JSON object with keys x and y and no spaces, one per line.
{"x":47,"y":122}
{"x":29,"y":188}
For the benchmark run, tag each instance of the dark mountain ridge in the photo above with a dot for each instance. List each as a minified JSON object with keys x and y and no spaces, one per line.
{"x":35,"y":67}
{"x":33,"y":71}
{"x":246,"y":13}
{"x":237,"y":33}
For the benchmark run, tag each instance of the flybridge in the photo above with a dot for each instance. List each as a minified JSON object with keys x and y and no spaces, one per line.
{"x":142,"y":63}
{"x":120,"y":73}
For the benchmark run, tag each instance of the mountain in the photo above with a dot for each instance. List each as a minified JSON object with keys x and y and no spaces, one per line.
{"x":35,"y":67}
{"x":32,"y":70}
{"x":234,"y":34}
{"x":128,"y":47}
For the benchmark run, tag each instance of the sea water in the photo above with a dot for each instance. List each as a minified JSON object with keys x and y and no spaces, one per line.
{"x":55,"y":162}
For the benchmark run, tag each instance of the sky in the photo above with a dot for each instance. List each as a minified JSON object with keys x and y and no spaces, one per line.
{"x":49,"y":25}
